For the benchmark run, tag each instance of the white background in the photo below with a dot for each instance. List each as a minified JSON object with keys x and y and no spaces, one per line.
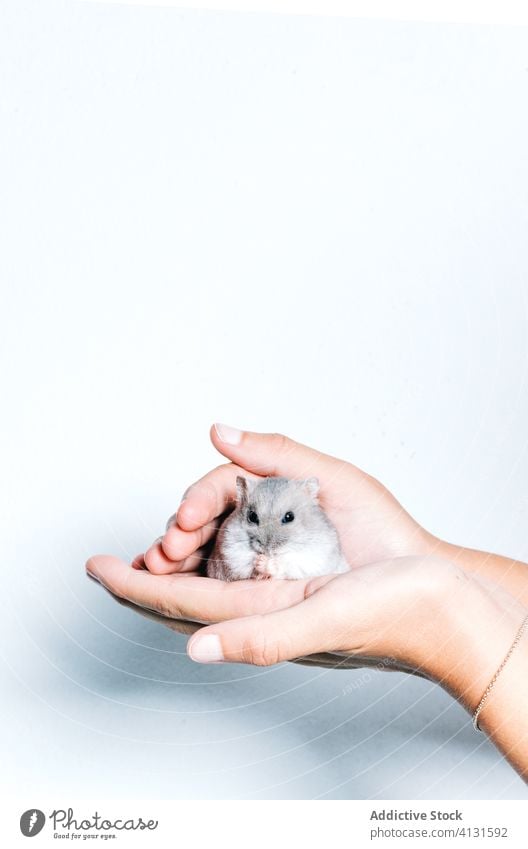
{"x":296,"y":224}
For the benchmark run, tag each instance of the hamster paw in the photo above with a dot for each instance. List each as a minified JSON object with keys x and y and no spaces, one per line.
{"x":261,"y":570}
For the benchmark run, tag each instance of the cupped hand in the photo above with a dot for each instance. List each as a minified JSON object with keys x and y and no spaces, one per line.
{"x":371,"y":523}
{"x":373,"y":528}
{"x":388,"y":612}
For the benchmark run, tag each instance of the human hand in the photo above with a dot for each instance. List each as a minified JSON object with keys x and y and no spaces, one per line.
{"x":417,"y":614}
{"x":450,"y":621}
{"x":383,"y":613}
{"x":371,"y":523}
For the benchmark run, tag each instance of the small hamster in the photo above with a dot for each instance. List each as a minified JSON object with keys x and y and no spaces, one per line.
{"x":277,"y":530}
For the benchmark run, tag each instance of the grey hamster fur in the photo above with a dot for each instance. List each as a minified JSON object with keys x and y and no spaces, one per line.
{"x":278,"y":529}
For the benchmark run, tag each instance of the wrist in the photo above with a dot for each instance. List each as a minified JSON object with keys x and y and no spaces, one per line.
{"x":507,"y":573}
{"x":474,"y":629}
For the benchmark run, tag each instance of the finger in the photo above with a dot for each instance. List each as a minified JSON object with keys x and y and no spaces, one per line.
{"x":157,"y":562}
{"x":208,"y":498}
{"x":271,"y":453}
{"x":177,"y":544}
{"x":308,"y":627}
{"x":192,"y":597}
{"x":201,"y":512}
{"x":181,"y":626}
{"x":138,"y":562}
{"x":331,"y":660}
{"x":323,"y":661}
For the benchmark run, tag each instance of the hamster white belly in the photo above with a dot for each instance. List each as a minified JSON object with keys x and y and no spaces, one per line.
{"x":233,"y":560}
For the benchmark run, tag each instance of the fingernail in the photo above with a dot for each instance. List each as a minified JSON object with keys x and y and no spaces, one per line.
{"x":230,"y":435}
{"x":206,"y":649}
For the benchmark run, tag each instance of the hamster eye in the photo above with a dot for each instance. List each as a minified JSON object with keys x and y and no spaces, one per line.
{"x":252,"y":517}
{"x":288,"y":517}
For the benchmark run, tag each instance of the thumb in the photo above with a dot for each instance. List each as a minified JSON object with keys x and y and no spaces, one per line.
{"x":263,"y":640}
{"x":270,"y":453}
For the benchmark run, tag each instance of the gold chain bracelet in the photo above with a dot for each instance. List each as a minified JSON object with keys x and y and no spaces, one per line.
{"x":491,"y":684}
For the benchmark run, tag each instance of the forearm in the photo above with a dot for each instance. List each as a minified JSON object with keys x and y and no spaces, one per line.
{"x":504,"y":716}
{"x":476,"y":632}
{"x":506,"y":572}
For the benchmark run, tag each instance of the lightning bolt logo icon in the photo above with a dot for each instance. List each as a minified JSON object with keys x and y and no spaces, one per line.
{"x":32,"y":822}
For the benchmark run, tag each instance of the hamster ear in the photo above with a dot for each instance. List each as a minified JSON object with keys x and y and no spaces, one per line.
{"x":242,"y":490}
{"x":311,"y":485}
